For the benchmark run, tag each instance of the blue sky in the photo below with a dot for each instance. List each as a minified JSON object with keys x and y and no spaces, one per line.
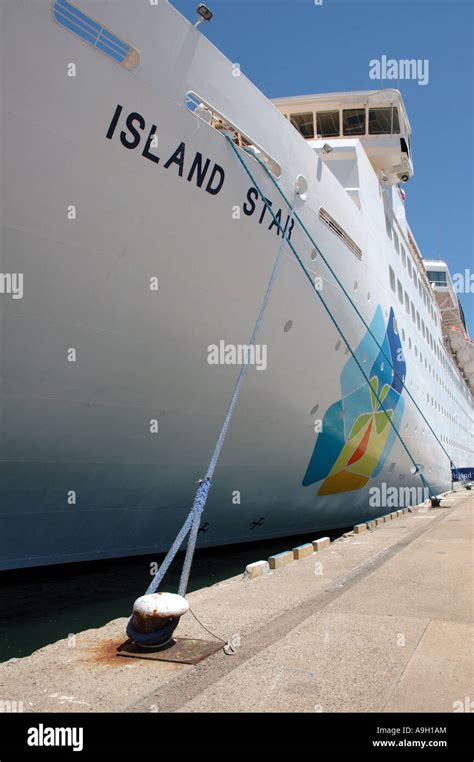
{"x":293,"y":47}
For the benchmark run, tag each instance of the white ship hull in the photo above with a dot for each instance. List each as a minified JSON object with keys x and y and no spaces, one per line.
{"x":81,"y":474}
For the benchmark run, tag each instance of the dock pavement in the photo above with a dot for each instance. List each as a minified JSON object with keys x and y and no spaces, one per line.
{"x":378,"y":621}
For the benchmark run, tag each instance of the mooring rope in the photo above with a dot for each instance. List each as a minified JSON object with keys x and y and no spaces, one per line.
{"x":416,"y":469}
{"x":347,"y":295}
{"x":193,"y":520}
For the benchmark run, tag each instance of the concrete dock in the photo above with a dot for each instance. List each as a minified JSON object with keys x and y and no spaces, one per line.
{"x":381,"y":620}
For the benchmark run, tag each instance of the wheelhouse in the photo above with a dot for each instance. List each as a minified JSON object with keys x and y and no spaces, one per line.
{"x":377,"y":118}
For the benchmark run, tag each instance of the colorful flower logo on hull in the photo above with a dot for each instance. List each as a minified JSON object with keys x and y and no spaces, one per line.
{"x":356,"y":435}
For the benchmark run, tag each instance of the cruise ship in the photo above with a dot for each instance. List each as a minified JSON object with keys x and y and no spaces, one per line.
{"x":146,"y":189}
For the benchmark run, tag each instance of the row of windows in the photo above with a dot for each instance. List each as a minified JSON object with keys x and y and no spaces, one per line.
{"x":427,"y":297}
{"x":410,"y":266}
{"x":355,"y":121}
{"x":430,"y":398}
{"x":439,"y":351}
{"x":404,"y":299}
{"x":410,"y":309}
{"x":444,"y":439}
{"x":443,"y":411}
{"x":453,"y":443}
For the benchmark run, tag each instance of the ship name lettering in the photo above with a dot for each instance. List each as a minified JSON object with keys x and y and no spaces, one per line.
{"x":197,"y":169}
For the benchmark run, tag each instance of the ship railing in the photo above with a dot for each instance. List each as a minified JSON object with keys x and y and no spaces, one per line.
{"x":218,"y":121}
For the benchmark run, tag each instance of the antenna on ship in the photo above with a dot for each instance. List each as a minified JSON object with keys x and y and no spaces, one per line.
{"x":204,"y":14}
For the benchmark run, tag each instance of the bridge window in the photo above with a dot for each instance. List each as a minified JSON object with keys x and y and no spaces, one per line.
{"x":327,"y":124}
{"x":384,"y":121}
{"x":353,"y":121}
{"x":304,"y":123}
{"x":437,"y":277}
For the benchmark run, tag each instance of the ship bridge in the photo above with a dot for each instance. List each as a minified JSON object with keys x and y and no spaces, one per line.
{"x":375,"y":117}
{"x":445,"y":294}
{"x":454,"y":328}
